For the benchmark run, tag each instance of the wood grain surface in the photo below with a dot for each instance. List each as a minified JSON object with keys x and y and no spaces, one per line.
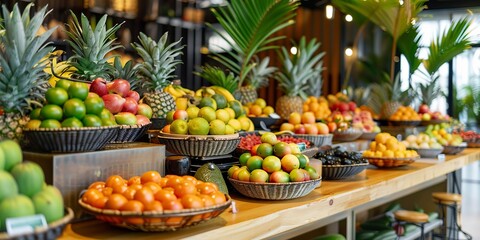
{"x":256,"y":219}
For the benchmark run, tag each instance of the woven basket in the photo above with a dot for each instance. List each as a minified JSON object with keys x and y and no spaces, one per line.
{"x":63,"y":140}
{"x":390,"y":162}
{"x":53,"y":231}
{"x":275,"y":191}
{"x":348,"y":135}
{"x":131,"y":133}
{"x":404,"y":123}
{"x":198,"y":145}
{"x":368,"y":135}
{"x":317,"y":140}
{"x":168,"y":220}
{"x":428,"y":152}
{"x":335,"y":172}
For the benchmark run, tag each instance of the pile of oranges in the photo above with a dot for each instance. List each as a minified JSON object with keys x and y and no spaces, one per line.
{"x":405,"y":113}
{"x":319,"y":107}
{"x":152,"y":192}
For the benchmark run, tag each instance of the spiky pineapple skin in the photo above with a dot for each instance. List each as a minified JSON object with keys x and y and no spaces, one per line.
{"x":11,"y":125}
{"x":160,"y":102}
{"x":389,"y":108}
{"x":288,"y":104}
{"x":246,"y":94}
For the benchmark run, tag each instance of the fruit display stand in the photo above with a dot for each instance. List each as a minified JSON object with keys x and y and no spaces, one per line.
{"x":332,"y":202}
{"x":73,"y":172}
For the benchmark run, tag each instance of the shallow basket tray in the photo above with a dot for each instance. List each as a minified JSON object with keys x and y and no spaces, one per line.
{"x":390,"y":162}
{"x":428,"y":152}
{"x":452,"y":150}
{"x":53,"y":231}
{"x":127,"y":133}
{"x":347,"y":136}
{"x":336,"y":172}
{"x":198,"y":145}
{"x":368,"y":135}
{"x":168,"y":220}
{"x":404,"y":123}
{"x":317,"y":140}
{"x":63,"y":140}
{"x":275,"y":191}
{"x":473,"y":142}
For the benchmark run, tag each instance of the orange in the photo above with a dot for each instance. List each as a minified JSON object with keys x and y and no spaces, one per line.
{"x":134,"y":180}
{"x":184,"y":188}
{"x":255,"y":110}
{"x":192,"y":201}
{"x":116,"y":201}
{"x":153,"y":186}
{"x":206,"y":188}
{"x":114,"y":180}
{"x":218,"y":197}
{"x":164,"y":195}
{"x":295,"y":118}
{"x":172,"y":205}
{"x":150,"y":176}
{"x":144,"y":195}
{"x":97,"y":185}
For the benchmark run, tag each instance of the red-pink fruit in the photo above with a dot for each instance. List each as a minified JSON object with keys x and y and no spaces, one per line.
{"x":126,"y":118}
{"x":134,"y":95}
{"x":352,"y":106}
{"x":99,"y":86}
{"x":343,"y":107}
{"x":119,"y":86}
{"x":180,"y":114}
{"x":142,"y":120}
{"x":299,"y":129}
{"x":423,"y":108}
{"x":145,"y":110}
{"x":281,"y":149}
{"x":298,"y":175}
{"x":130,"y":105}
{"x":279,"y":177}
{"x":113,"y":102}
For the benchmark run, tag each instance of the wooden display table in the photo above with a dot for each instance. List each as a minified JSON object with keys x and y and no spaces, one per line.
{"x":334,"y":200}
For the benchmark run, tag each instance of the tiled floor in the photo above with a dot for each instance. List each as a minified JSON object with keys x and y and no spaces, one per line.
{"x":471,"y":199}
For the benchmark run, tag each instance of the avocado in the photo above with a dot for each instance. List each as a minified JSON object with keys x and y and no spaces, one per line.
{"x":209,"y":172}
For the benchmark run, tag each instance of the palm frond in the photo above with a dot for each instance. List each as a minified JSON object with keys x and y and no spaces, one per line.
{"x":249,"y":24}
{"x":409,"y":46}
{"x":450,"y":43}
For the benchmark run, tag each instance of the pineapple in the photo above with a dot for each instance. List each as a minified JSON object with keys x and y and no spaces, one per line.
{"x":156,"y":72}
{"x":216,"y":76}
{"x":257,"y":78}
{"x":126,"y":71}
{"x":295,"y":76}
{"x":387,"y":98}
{"x":430,"y":90}
{"x":90,"y":47}
{"x":22,"y":79}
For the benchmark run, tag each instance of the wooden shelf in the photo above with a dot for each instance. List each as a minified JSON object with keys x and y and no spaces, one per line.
{"x":267,"y":219}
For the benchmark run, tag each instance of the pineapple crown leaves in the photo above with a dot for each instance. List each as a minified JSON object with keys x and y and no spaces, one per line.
{"x":22,"y":58}
{"x":90,"y":46}
{"x":249,"y":26}
{"x":127,"y":71}
{"x":260,"y":73}
{"x":430,"y":89}
{"x":216,"y":76}
{"x":387,"y":92}
{"x":299,"y":68}
{"x":159,"y":61}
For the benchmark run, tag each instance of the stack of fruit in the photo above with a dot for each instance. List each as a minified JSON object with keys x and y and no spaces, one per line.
{"x":387,"y":151}
{"x":23,"y":191}
{"x":341,"y":102}
{"x":339,"y":164}
{"x":405,"y":115}
{"x":363,"y":119}
{"x":258,"y":108}
{"x":154,"y":201}
{"x":429,"y":116}
{"x":304,"y":123}
{"x":319,"y":107}
{"x":212,"y":116}
{"x":471,"y":137}
{"x":426,"y":146}
{"x":441,"y":133}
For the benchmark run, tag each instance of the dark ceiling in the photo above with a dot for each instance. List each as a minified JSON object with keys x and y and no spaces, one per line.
{"x":432,"y":4}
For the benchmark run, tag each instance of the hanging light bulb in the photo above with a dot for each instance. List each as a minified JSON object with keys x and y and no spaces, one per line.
{"x":348,"y":18}
{"x":293,"y":50}
{"x":329,"y":11}
{"x":348,"y":51}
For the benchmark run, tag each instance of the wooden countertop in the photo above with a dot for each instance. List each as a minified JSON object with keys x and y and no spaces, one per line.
{"x":262,"y":218}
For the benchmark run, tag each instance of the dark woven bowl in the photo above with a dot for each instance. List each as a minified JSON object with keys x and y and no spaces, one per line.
{"x":404,"y":123}
{"x":336,"y":172}
{"x":275,"y":191}
{"x":131,"y":133}
{"x":368,"y":135}
{"x":198,"y":145}
{"x":452,"y":150}
{"x":168,"y":220}
{"x":53,"y":231}
{"x":268,"y":121}
{"x":63,"y":140}
{"x":317,"y":140}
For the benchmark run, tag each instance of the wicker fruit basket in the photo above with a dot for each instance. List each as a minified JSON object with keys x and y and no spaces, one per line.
{"x":404,"y":123}
{"x":428,"y":152}
{"x":63,"y":140}
{"x":452,"y":150}
{"x":275,"y":191}
{"x":348,"y":135}
{"x":54,"y":230}
{"x":317,"y":140}
{"x":131,"y":133}
{"x":168,"y":220}
{"x":198,"y":145}
{"x":336,"y":172}
{"x":391,"y":162}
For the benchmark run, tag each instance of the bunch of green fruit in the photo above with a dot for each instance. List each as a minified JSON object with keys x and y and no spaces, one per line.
{"x":70,"y":104}
{"x":212,"y":115}
{"x":275,"y":162}
{"x":23,"y":191}
{"x":442,"y":133}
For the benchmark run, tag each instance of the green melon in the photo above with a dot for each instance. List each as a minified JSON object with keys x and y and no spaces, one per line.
{"x":16,"y":206}
{"x":29,"y":177}
{"x":12,"y":152}
{"x":8,"y":186}
{"x":49,"y":202}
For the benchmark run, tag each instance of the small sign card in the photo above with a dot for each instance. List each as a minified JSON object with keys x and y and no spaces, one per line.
{"x":25,"y":225}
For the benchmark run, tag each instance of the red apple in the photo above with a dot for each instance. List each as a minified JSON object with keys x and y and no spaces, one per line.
{"x":180,"y":114}
{"x":352,"y":106}
{"x":99,"y":86}
{"x":130,"y":105}
{"x":343,"y":107}
{"x":113,"y":102}
{"x":125,"y":118}
{"x":119,"y":86}
{"x":423,"y":108}
{"x":145,"y":110}
{"x":299,"y":129}
{"x":134,"y":95}
{"x":311,"y":129}
{"x":142,"y":120}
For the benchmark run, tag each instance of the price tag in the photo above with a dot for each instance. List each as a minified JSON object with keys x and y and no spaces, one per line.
{"x":274,"y":115}
{"x":25,"y":225}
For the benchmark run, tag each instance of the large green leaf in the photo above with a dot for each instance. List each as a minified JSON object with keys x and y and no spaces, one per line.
{"x":249,"y":24}
{"x":409,"y":46}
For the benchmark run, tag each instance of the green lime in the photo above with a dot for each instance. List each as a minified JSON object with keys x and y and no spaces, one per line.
{"x":35,"y":114}
{"x":62,"y":83}
{"x":244,"y":157}
{"x":50,"y":123}
{"x":220,"y":100}
{"x":72,"y":122}
{"x":91,"y":120}
{"x":78,"y":90}
{"x":74,"y":108}
{"x":94,"y":105}
{"x":51,"y":111}
{"x":56,"y":95}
